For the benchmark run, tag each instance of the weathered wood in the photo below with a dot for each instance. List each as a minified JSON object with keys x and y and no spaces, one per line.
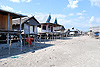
{"x":9,"y":46}
{"x":29,"y":40}
{"x":20,"y":35}
{"x":50,"y":40}
{"x":4,"y":22}
{"x":8,"y":29}
{"x":44,"y":39}
{"x":34,"y":44}
{"x":40,"y":39}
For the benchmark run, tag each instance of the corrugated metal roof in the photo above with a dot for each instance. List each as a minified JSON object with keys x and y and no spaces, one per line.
{"x":14,"y":15}
{"x":27,"y":20}
{"x":48,"y":20}
{"x":55,"y":22}
{"x":17,"y":21}
{"x":31,"y":21}
{"x":60,"y":28}
{"x":51,"y":24}
{"x":95,"y":29}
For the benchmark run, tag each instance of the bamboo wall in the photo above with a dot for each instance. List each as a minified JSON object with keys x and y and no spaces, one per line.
{"x":4,"y":20}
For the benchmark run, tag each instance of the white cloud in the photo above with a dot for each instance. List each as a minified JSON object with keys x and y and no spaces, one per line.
{"x":98,"y":20}
{"x":6,"y":8}
{"x":68,"y":23}
{"x":81,"y":17}
{"x":43,"y":17}
{"x":15,"y":1}
{"x":18,"y":1}
{"x":59,"y":15}
{"x":28,"y":1}
{"x":71,"y":14}
{"x":92,"y":19}
{"x":95,"y":3}
{"x":84,"y":11}
{"x":73,"y":3}
{"x":79,"y":13}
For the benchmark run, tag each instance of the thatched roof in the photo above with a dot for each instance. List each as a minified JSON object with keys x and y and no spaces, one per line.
{"x":95,"y":29}
{"x":17,"y":21}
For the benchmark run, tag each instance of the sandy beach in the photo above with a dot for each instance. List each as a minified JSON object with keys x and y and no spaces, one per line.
{"x":80,"y":51}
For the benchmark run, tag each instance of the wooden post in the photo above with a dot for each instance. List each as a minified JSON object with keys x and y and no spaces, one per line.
{"x":20,"y":34}
{"x":52,"y":38}
{"x":29,"y":40}
{"x":40,"y":39}
{"x":47,"y":31}
{"x":66,"y":35}
{"x":62,"y":36}
{"x":99,"y":33}
{"x":56,"y":36}
{"x":34,"y":43}
{"x":9,"y":46}
{"x":25,"y":40}
{"x":8,"y":30}
{"x":44,"y":39}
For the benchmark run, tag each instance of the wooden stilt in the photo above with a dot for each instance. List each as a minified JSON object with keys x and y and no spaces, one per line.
{"x":20,"y":34}
{"x":44,"y":39}
{"x":40,"y":40}
{"x":62,"y":36}
{"x":52,"y":38}
{"x":8,"y":29}
{"x":56,"y":36}
{"x":66,"y":35}
{"x":9,"y":46}
{"x":24,"y":39}
{"x":29,"y":40}
{"x":34,"y":44}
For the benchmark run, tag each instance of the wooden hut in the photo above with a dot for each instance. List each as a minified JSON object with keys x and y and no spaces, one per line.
{"x":95,"y":31}
{"x":29,"y":28}
{"x":6,"y":24}
{"x":48,"y":29}
{"x":74,"y":32}
{"x":29,"y":25}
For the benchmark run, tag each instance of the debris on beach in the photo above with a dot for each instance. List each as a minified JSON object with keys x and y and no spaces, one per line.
{"x":33,"y":51}
{"x":52,"y":65}
{"x":24,"y":51}
{"x":36,"y":61}
{"x":14,"y":57}
{"x":45,"y":49}
{"x":49,"y":57}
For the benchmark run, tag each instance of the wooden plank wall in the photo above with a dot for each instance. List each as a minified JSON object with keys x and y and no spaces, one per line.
{"x":4,"y":20}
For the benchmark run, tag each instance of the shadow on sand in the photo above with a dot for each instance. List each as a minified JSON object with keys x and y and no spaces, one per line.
{"x":4,"y":53}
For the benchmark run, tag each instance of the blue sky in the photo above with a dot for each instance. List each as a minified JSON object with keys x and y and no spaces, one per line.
{"x":80,"y":14}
